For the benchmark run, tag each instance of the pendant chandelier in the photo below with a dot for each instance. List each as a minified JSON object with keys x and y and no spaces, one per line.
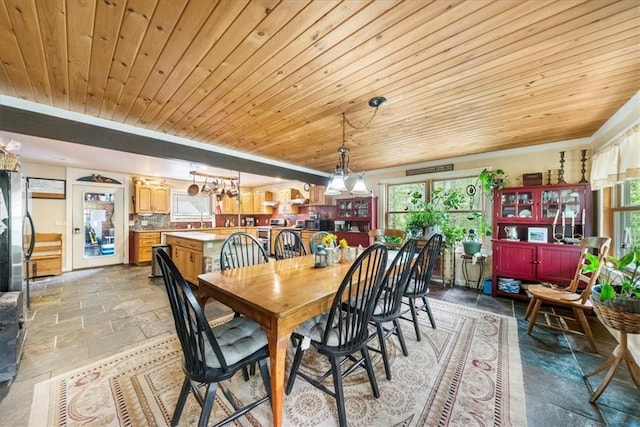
{"x":337,"y":180}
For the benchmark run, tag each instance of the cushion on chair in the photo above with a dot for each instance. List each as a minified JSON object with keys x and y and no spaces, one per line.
{"x":411,"y":287}
{"x":314,"y":329}
{"x":238,"y":338}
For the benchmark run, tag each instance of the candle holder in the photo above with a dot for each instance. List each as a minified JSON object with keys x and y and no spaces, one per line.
{"x":561,"y":170}
{"x":583,"y":169}
{"x":558,"y":237}
{"x":574,"y":239}
{"x":549,"y":177}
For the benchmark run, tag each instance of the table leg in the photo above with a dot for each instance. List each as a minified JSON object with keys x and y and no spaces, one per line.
{"x":278,"y":343}
{"x":621,"y":353}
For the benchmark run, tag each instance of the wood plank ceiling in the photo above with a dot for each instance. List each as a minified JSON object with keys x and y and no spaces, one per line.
{"x":272,"y":78}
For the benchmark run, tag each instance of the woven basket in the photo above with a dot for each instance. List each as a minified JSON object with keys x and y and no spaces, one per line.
{"x":8,"y":161}
{"x":617,"y":319}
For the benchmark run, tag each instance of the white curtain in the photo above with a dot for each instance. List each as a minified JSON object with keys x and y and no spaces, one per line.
{"x":617,"y":161}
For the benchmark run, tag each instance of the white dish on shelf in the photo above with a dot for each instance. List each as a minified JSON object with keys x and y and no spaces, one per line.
{"x":525,"y":213}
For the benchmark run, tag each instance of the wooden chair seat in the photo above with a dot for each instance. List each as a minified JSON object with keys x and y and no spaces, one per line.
{"x":574,"y":297}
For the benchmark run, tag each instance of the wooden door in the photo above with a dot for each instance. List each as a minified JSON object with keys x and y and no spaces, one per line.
{"x":161,"y":200}
{"x":557,"y":263}
{"x":144,"y":199}
{"x":515,"y":260}
{"x":247,"y":207}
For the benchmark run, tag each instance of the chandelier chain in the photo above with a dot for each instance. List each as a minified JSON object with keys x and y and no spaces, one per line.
{"x":364,"y":126}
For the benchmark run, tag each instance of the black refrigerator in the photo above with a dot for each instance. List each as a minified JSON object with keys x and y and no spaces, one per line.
{"x":16,"y":243}
{"x":16,"y":231}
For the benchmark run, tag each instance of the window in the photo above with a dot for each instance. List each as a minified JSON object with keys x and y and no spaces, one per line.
{"x":398,"y":203}
{"x":190,"y":208}
{"x":398,"y":200}
{"x":626,"y":216}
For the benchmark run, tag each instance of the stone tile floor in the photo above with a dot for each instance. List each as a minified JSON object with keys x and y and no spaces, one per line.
{"x":87,"y":315}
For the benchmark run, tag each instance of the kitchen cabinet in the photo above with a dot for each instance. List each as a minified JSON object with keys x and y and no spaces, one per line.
{"x":285,"y":198}
{"x":259,"y":199}
{"x":229,"y":205}
{"x":142,"y":245}
{"x":360,"y":212}
{"x":151,"y":199}
{"x":195,"y":253}
{"x":522,"y":208}
{"x":246,"y":204}
{"x":316,"y":195}
{"x":353,"y":238}
{"x":305,"y":235}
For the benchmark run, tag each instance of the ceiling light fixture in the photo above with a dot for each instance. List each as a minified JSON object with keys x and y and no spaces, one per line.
{"x":337,"y":181}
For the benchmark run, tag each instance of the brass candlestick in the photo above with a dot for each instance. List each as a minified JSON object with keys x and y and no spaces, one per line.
{"x":583,"y":169}
{"x":549,"y":177}
{"x":561,"y":170}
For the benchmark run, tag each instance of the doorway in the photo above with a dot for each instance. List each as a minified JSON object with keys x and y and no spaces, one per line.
{"x":98,"y":224}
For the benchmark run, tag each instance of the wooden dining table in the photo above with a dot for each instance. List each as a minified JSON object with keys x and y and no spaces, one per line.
{"x":279,"y":295}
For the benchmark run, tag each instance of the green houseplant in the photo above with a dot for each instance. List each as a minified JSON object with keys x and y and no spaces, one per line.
{"x":619,"y":282}
{"x":426,"y":217}
{"x":472,"y":241}
{"x":490,"y":180}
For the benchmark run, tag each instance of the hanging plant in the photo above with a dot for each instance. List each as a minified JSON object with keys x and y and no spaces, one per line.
{"x":492,"y":180}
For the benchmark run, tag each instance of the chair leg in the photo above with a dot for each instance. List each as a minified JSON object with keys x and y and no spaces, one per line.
{"x":294,"y":368}
{"x":579,"y":314}
{"x":534,"y":315}
{"x":182,"y":399}
{"x":383,"y":349}
{"x":207,"y":405}
{"x":369,"y":367}
{"x":427,"y":308}
{"x":529,"y":307}
{"x":403,"y":344}
{"x":339,"y":393}
{"x":266,"y":377}
{"x":414,"y":315}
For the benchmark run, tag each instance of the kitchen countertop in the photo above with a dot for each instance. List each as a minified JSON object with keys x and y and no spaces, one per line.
{"x":190,"y":230}
{"x":195,"y":235}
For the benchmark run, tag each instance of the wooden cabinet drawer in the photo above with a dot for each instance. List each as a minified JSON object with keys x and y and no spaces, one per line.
{"x":148,"y":241}
{"x":145,"y":254}
{"x":185,"y":243}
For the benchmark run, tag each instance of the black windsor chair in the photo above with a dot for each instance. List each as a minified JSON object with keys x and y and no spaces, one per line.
{"x":344,"y":329}
{"x":241,"y":249}
{"x":211,"y":355}
{"x":288,"y":244}
{"x":389,"y":304}
{"x":418,"y":284}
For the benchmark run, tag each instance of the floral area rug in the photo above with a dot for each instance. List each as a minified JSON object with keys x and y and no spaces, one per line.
{"x":465,"y":372}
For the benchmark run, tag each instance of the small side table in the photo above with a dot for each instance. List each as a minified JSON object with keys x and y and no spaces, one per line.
{"x":625,"y":323}
{"x":468,"y":260}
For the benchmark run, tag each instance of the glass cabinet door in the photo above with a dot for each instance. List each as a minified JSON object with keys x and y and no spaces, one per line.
{"x":362,"y":208}
{"x":345,"y":208}
{"x":516,"y":204}
{"x":567,"y":201}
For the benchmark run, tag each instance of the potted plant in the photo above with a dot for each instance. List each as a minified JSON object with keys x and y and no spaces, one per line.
{"x":619,"y":282}
{"x":433,"y":216}
{"x":490,"y":180}
{"x":472,"y":241}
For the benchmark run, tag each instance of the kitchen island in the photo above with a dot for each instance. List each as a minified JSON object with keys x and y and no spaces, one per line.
{"x":194,"y":252}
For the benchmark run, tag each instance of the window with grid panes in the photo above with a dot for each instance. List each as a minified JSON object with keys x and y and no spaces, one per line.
{"x":399,"y":196}
{"x":626,"y":210}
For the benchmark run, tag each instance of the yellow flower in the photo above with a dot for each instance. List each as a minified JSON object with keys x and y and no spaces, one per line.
{"x":329,"y":240}
{"x":344,"y":244}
